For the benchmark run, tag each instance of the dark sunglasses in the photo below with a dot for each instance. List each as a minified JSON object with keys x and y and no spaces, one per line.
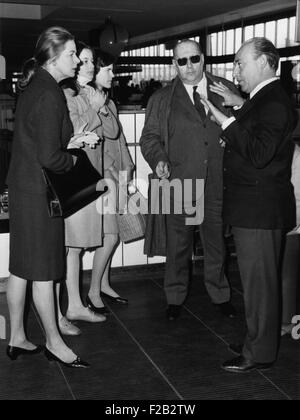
{"x":183,"y":61}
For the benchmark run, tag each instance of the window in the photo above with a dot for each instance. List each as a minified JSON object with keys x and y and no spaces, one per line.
{"x":282,"y":33}
{"x":249,"y":32}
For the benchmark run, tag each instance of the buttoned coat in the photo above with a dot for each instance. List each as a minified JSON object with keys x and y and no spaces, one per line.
{"x":42,"y":132}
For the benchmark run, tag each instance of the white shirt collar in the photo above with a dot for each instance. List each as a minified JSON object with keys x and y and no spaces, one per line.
{"x":262,"y":85}
{"x":201,"y":89}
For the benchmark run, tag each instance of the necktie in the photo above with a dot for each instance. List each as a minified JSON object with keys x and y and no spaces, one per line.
{"x":198,"y":104}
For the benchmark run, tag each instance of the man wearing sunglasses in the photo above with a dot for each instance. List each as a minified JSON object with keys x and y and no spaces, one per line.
{"x":180,"y":141}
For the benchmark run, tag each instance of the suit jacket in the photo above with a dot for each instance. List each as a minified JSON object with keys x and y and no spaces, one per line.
{"x":42,"y":131}
{"x":257,"y":163}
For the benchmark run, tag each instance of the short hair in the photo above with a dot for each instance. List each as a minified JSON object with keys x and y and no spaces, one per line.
{"x":49,"y":45}
{"x":186,"y":41}
{"x":265,"y":46}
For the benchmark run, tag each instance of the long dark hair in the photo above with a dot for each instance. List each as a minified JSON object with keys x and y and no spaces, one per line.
{"x":72,"y":82}
{"x":49,"y":45}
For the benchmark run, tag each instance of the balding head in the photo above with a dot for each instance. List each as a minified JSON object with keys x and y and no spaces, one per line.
{"x":186,"y":41}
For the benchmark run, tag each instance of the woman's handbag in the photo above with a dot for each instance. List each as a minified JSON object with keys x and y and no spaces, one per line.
{"x":69,"y":192}
{"x":132,"y":224}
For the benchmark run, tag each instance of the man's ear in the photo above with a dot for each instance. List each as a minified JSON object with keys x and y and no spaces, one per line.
{"x":263,"y":61}
{"x":202,"y":60}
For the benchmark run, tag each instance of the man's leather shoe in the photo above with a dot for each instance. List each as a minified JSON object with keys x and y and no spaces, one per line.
{"x":173,"y":312}
{"x":242,"y":365}
{"x":227,"y":309}
{"x":236,"y":348}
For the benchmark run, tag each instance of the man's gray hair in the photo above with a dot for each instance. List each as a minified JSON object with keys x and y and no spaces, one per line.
{"x":265,"y":46}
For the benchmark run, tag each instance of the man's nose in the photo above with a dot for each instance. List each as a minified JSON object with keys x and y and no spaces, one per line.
{"x":189,"y":63}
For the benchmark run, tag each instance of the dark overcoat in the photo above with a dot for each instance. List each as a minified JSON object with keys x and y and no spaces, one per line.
{"x":185,"y":162}
{"x":42,"y":132}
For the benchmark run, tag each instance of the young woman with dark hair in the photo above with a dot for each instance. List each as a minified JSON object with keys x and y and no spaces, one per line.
{"x":116,"y":158}
{"x":83,"y":230}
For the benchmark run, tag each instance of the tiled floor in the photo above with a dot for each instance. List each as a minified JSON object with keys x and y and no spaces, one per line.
{"x":138,"y":355}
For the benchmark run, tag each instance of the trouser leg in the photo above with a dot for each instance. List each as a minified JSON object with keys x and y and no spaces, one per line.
{"x":212,"y":236}
{"x":179,"y":253}
{"x":258,"y":254}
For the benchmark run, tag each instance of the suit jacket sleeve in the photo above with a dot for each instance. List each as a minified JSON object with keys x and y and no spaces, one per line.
{"x":49,"y":131}
{"x":151,"y":142}
{"x":259,"y":142}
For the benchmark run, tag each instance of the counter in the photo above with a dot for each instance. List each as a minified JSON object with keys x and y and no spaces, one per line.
{"x":126,"y":254}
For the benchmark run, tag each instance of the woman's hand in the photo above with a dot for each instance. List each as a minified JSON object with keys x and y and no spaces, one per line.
{"x":217,"y":115}
{"x":230,"y":98}
{"x":82,"y":139}
{"x":97,"y":99}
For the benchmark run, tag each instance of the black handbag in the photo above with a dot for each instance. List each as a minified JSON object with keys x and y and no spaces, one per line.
{"x":71,"y":191}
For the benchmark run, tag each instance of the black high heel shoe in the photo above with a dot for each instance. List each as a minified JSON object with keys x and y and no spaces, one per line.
{"x":14,"y":352}
{"x":117,"y":299}
{"x":76,"y":364}
{"x":101,"y":311}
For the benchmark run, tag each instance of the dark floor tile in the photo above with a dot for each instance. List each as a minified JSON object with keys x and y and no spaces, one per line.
{"x":138,"y":354}
{"x":119,"y":369}
{"x":29,"y":378}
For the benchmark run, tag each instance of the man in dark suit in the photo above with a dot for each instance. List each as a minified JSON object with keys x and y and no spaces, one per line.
{"x":180,"y":142}
{"x":259,"y":201}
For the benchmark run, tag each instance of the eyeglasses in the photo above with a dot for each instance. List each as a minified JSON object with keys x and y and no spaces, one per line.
{"x":183,"y":61}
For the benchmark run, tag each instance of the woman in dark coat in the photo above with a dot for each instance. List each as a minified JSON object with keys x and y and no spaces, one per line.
{"x":42,"y":132}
